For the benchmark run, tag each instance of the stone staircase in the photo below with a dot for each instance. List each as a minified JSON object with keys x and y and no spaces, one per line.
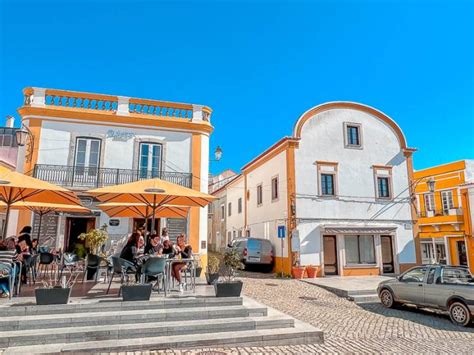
{"x":111,"y":326}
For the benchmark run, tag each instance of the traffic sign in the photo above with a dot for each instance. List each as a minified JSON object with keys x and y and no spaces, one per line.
{"x":281,"y":231}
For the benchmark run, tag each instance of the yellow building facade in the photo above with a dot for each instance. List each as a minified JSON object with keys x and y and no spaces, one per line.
{"x":444,"y":203}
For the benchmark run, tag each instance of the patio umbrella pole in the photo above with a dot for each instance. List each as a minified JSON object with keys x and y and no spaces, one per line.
{"x":7,"y":217}
{"x":153,"y":216}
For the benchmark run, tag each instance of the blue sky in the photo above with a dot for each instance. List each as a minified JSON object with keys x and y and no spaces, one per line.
{"x":258,"y":64}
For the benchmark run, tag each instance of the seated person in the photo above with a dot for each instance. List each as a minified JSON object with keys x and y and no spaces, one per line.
{"x":34,"y":246}
{"x":168,"y":248}
{"x":154,"y":246}
{"x":133,"y":250}
{"x":185,"y":252}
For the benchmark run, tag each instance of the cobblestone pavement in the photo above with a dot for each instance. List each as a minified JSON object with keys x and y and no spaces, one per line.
{"x":349,"y":328}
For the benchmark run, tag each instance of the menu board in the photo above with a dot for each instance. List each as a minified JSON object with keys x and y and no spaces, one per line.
{"x":49,"y":228}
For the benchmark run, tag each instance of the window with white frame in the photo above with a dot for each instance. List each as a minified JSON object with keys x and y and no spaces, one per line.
{"x":259,"y":194}
{"x":275,"y":188}
{"x":447,"y":200}
{"x":240,"y":233}
{"x":359,"y":249}
{"x":352,"y":135}
{"x":383,"y":181}
{"x":234,"y":233}
{"x":229,"y":209}
{"x":222,"y":212}
{"x":327,"y":176}
{"x":87,"y":155}
{"x":150,"y":160}
{"x":429,"y":202}
{"x":427,"y":254}
{"x":239,"y":205}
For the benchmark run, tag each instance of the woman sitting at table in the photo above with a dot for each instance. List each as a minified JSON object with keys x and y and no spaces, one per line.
{"x":183,"y":251}
{"x":154,"y":246}
{"x":168,"y":248}
{"x":133,"y":250}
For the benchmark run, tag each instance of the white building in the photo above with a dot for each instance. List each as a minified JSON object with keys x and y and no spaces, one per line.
{"x":83,"y":140}
{"x":341,"y":188}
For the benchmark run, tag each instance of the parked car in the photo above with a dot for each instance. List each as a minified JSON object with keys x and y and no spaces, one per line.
{"x":254,"y":251}
{"x":448,"y":288}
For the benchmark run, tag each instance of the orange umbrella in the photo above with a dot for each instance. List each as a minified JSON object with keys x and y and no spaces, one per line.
{"x":142,"y":210}
{"x":16,"y":187}
{"x":152,"y":193}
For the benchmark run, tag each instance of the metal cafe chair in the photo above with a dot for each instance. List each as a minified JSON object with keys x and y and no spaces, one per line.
{"x":120,"y":267}
{"x":155,"y":267}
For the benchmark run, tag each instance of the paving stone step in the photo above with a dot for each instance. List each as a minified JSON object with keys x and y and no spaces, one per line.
{"x":369,"y":298}
{"x":260,"y":337}
{"x":148,"y":315}
{"x":116,"y":305}
{"x":141,"y":330}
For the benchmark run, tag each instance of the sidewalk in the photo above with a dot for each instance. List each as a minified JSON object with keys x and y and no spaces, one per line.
{"x":356,"y":288}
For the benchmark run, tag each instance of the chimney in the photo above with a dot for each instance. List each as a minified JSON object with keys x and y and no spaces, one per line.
{"x":10,"y":122}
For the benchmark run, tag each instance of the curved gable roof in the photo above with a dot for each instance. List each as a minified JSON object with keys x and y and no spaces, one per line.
{"x":349,"y":105}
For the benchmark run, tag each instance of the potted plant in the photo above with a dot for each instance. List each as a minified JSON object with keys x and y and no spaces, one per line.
{"x":54,"y":291}
{"x":230,"y":287}
{"x":94,"y":240}
{"x":136,"y":292}
{"x":198,"y":265}
{"x":213,"y":265}
{"x":312,"y":271}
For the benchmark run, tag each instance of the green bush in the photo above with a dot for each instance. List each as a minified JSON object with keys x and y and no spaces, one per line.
{"x":232,"y":263}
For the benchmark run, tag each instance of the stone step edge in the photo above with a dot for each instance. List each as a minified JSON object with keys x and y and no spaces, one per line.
{"x":60,"y":316}
{"x":110,"y":332}
{"x":30,"y":310}
{"x":264,"y":337}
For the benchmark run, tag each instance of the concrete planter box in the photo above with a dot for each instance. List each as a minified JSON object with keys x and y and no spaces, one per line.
{"x":136,"y":292}
{"x":228,"y":289}
{"x":55,"y":295}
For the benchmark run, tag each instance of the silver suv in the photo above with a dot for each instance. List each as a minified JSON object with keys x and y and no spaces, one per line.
{"x":449,"y":288}
{"x":254,"y":251}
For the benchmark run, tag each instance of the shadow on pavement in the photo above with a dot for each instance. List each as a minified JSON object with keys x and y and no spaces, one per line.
{"x":430,"y":318}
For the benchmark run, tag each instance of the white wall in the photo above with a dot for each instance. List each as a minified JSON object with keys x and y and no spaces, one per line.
{"x":263,"y":220}
{"x":57,"y":138}
{"x":234,"y":191}
{"x":322,"y":139}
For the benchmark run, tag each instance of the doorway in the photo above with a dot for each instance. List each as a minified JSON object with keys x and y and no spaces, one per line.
{"x":462,"y":253}
{"x":330,"y":255}
{"x":140,"y":222}
{"x":74,"y":227}
{"x":387,"y":254}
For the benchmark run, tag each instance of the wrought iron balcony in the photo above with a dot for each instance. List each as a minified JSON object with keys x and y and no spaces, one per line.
{"x":90,"y":177}
{"x":456,"y":211}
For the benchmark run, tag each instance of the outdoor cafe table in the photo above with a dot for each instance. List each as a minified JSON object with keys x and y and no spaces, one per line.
{"x":169,"y":268}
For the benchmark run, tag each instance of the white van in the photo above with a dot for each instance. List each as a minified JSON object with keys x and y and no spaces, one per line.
{"x":255,"y":251}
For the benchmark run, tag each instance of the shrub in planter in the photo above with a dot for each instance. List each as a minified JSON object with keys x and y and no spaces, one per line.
{"x":230,"y":287}
{"x":136,"y":292}
{"x":213,"y":265}
{"x":198,"y":265}
{"x":54,"y":292}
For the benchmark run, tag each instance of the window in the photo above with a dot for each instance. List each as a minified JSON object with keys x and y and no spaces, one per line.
{"x":247,"y":233}
{"x":150,"y":160}
{"x":360,"y":249}
{"x":415,"y":275}
{"x":427,"y":255}
{"x":352,"y":136}
{"x":431,"y":275}
{"x":455,"y":276}
{"x":383,"y":187}
{"x":447,"y":199}
{"x":234,"y":234}
{"x":275,"y":188}
{"x":429,"y":202}
{"x":229,"y":209}
{"x":240,"y":233}
{"x":87,"y":156}
{"x":327,"y":184}
{"x":239,"y":205}
{"x":222,"y":212}
{"x":259,"y":195}
{"x":229,"y":237}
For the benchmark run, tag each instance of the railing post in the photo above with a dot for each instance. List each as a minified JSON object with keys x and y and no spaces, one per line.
{"x":72,"y":174}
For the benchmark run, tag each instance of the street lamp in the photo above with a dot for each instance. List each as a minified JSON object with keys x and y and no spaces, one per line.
{"x":24,"y":137}
{"x":217,"y":154}
{"x":431,"y":184}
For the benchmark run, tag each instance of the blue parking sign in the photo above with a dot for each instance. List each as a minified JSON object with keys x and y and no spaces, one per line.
{"x":281,"y":231}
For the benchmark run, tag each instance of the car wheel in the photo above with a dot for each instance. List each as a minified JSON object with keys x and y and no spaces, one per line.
{"x":386,"y":297}
{"x":459,"y":314}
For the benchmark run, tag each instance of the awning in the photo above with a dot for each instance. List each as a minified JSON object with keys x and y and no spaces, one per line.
{"x":359,"y":230}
